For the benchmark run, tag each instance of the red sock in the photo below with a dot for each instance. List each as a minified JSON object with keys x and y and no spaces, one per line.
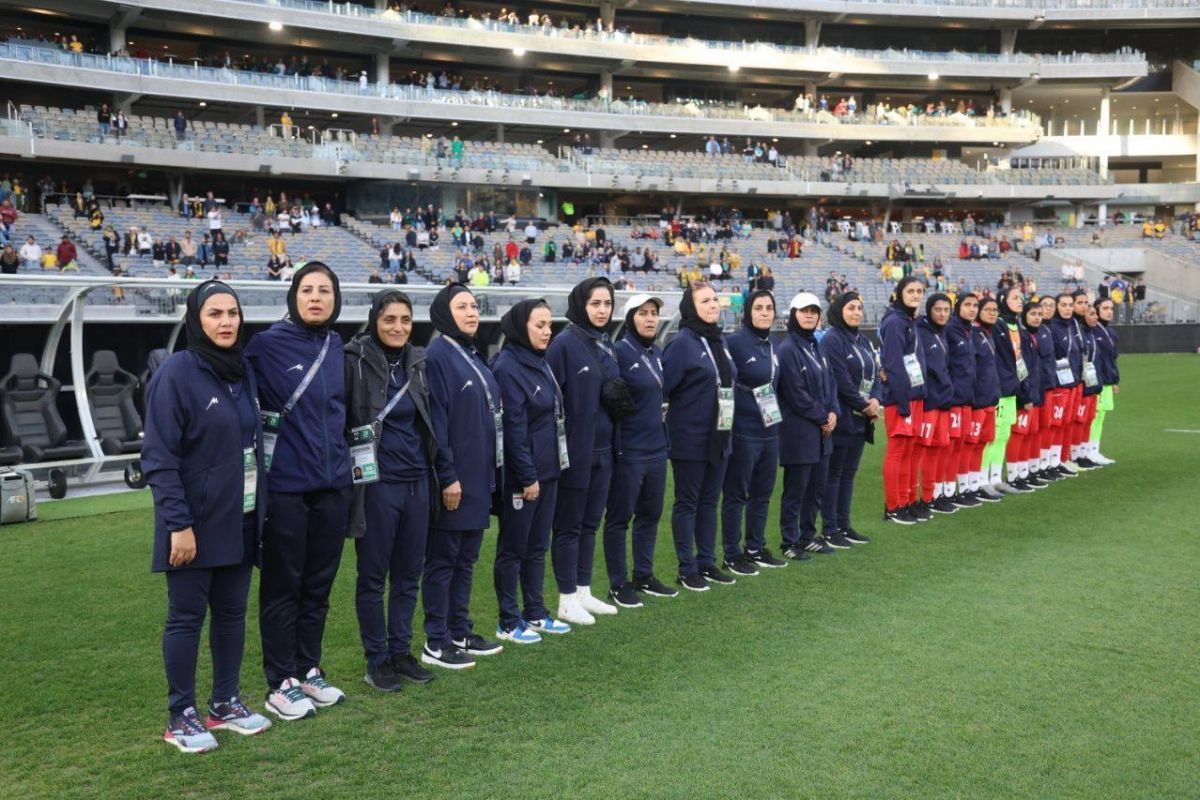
{"x":895,"y":460}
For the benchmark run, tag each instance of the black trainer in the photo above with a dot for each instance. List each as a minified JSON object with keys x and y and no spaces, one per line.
{"x":1021,"y":486}
{"x":654,"y":587}
{"x":818,"y":546}
{"x":988,"y":498}
{"x":714,"y":575}
{"x":383,"y":678}
{"x":1049,"y":475}
{"x":837,"y":541}
{"x":476,"y":645}
{"x":764,"y":558}
{"x":693,"y":582}
{"x":1083,"y":462}
{"x":920,"y":512}
{"x":625,"y":596}
{"x":449,"y":657}
{"x":1063,"y":472}
{"x":854,"y":537}
{"x":741,"y":566}
{"x":1035,"y":481}
{"x":943,"y":505}
{"x":966,"y":500}
{"x":796,"y":552}
{"x":901,"y":516}
{"x":408,"y":668}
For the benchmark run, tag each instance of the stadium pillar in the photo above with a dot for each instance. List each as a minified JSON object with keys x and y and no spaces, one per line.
{"x":810,"y":149}
{"x":1008,"y":41}
{"x":608,"y":139}
{"x":812,"y":32}
{"x":381,"y":5}
{"x":260,"y":116}
{"x":1006,"y":101}
{"x":500,"y":133}
{"x":1102,"y":126}
{"x":175,"y":189}
{"x":606,"y":83}
{"x":116,"y":37}
{"x":383,"y":68}
{"x":608,"y":11}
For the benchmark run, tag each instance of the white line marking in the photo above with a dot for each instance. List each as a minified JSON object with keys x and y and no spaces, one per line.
{"x":1178,"y":430}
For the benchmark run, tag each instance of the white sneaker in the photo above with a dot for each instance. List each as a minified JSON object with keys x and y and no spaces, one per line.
{"x":319,"y":691}
{"x":289,"y":703}
{"x":569,"y":610}
{"x":593,"y":605}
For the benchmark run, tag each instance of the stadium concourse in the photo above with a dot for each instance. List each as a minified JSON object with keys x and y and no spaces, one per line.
{"x":765,"y":235}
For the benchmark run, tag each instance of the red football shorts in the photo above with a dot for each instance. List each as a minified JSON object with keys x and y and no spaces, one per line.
{"x":897,"y":425}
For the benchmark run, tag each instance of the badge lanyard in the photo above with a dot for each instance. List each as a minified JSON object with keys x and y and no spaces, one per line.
{"x":560,"y":420}
{"x":496,"y":410}
{"x":364,"y":461}
{"x":273,"y":420}
{"x":724,"y":394}
{"x":249,"y":468}
{"x":865,"y":384}
{"x":654,"y":373}
{"x":765,"y":397}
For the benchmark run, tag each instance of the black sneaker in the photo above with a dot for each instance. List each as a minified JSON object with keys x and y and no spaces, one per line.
{"x":1035,"y":481}
{"x":854,"y":537}
{"x":1049,"y":475}
{"x":837,"y":541}
{"x":817,"y":546}
{"x":449,"y":657}
{"x":1063,"y":472}
{"x":625,"y":596}
{"x":476,"y":645}
{"x":943,"y":505}
{"x":383,"y":678}
{"x":1086,"y":463}
{"x":1020,"y":486}
{"x":693,"y":582}
{"x":920,"y":511}
{"x":901,"y":516}
{"x":966,"y":500}
{"x":764,"y":558}
{"x":654,"y":587}
{"x":986,"y":497}
{"x":410,"y":669}
{"x":714,"y":575}
{"x":796,"y":552}
{"x":741,"y":566}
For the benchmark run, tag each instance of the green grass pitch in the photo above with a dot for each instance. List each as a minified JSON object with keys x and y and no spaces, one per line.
{"x":1045,"y":647}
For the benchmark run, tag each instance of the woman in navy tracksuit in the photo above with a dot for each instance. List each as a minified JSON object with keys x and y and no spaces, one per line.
{"x":640,"y":477}
{"x":1068,"y":355}
{"x":1006,"y":336}
{"x":698,"y":378}
{"x":387,"y":403}
{"x":1048,"y":426}
{"x":583,"y":362}
{"x":467,"y":413}
{"x":856,"y":376}
{"x":902,"y":369}
{"x":808,"y":399}
{"x":1110,"y":376}
{"x":750,"y":475}
{"x":962,"y":375}
{"x":532,"y":464}
{"x":933,"y":439}
{"x":1085,"y":317}
{"x":984,"y":396}
{"x":1023,"y":444}
{"x":301,"y":393}
{"x":202,"y":458}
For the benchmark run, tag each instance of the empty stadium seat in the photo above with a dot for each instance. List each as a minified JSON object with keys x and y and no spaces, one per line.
{"x":111,"y":393}
{"x":29,"y":417}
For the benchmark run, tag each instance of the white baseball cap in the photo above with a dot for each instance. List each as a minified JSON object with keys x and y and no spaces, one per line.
{"x":639,"y":300}
{"x":805,"y":300}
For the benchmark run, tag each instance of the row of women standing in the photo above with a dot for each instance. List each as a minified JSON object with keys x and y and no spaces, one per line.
{"x":411,"y":451}
{"x":991,"y":397}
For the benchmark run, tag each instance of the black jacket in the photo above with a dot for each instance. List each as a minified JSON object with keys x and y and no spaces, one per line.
{"x":366,"y":394}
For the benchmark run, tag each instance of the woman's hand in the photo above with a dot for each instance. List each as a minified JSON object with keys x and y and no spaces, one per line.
{"x":452,"y":496}
{"x":183,"y":548}
{"x":1116,"y":389}
{"x":531,"y":492}
{"x":872,"y":409}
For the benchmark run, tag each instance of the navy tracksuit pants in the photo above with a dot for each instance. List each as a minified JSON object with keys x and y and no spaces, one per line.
{"x":302,"y":548}
{"x":694,"y":515}
{"x":749,"y":484}
{"x":446,"y":586}
{"x":576,"y":517}
{"x":839,"y":487}
{"x":803,"y":485}
{"x":392,"y":547}
{"x":521,"y":555}
{"x":191,"y":593}
{"x":636,"y":493}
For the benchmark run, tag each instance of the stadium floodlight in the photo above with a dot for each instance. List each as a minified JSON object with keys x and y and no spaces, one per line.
{"x":203,"y":104}
{"x":518,"y":51}
{"x":275,"y":25}
{"x":734,"y":67}
{"x":933,"y":76}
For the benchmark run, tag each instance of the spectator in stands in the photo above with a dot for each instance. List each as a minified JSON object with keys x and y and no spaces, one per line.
{"x":512,"y":273}
{"x":531,"y":232}
{"x":204,"y":251}
{"x":1136,"y":301}
{"x":66,"y":253}
{"x":120,"y":124}
{"x":172,"y":250}
{"x":187,"y":249}
{"x":276,"y":246}
{"x":220,"y":250}
{"x":181,"y":126}
{"x":9,"y":260}
{"x":158,"y":253}
{"x":456,"y":151}
{"x":104,"y":120}
{"x":374,"y":277}
{"x":31,"y":254}
{"x":112,"y":246}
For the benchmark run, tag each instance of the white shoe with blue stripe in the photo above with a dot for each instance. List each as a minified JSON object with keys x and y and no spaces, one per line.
{"x":549,"y":625}
{"x":518,"y":635}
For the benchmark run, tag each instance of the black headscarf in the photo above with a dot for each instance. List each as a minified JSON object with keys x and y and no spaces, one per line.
{"x":982,"y":304}
{"x":1007,"y":314}
{"x":515,"y":324}
{"x":838,"y":306}
{"x":959,"y":304}
{"x":225,"y":361}
{"x":380,"y":301}
{"x":747,"y":319}
{"x":293,"y":309}
{"x":898,"y":295}
{"x":443,"y":320}
{"x":711,"y":331}
{"x":578,"y":299}
{"x":1025,"y":315}
{"x":1075,"y":296}
{"x":929,"y":302}
{"x":631,"y":326}
{"x":1099,"y":302}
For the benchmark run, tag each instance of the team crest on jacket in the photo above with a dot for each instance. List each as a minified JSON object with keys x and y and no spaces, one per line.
{"x":518,"y":502}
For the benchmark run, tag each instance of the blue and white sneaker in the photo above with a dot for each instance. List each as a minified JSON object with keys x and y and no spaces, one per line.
{"x":185,"y":732}
{"x":518,"y":635}
{"x":232,"y":715}
{"x":549,"y":625}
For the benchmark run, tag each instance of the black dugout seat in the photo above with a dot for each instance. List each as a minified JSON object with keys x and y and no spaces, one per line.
{"x":29,"y":417}
{"x":111,"y":393}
